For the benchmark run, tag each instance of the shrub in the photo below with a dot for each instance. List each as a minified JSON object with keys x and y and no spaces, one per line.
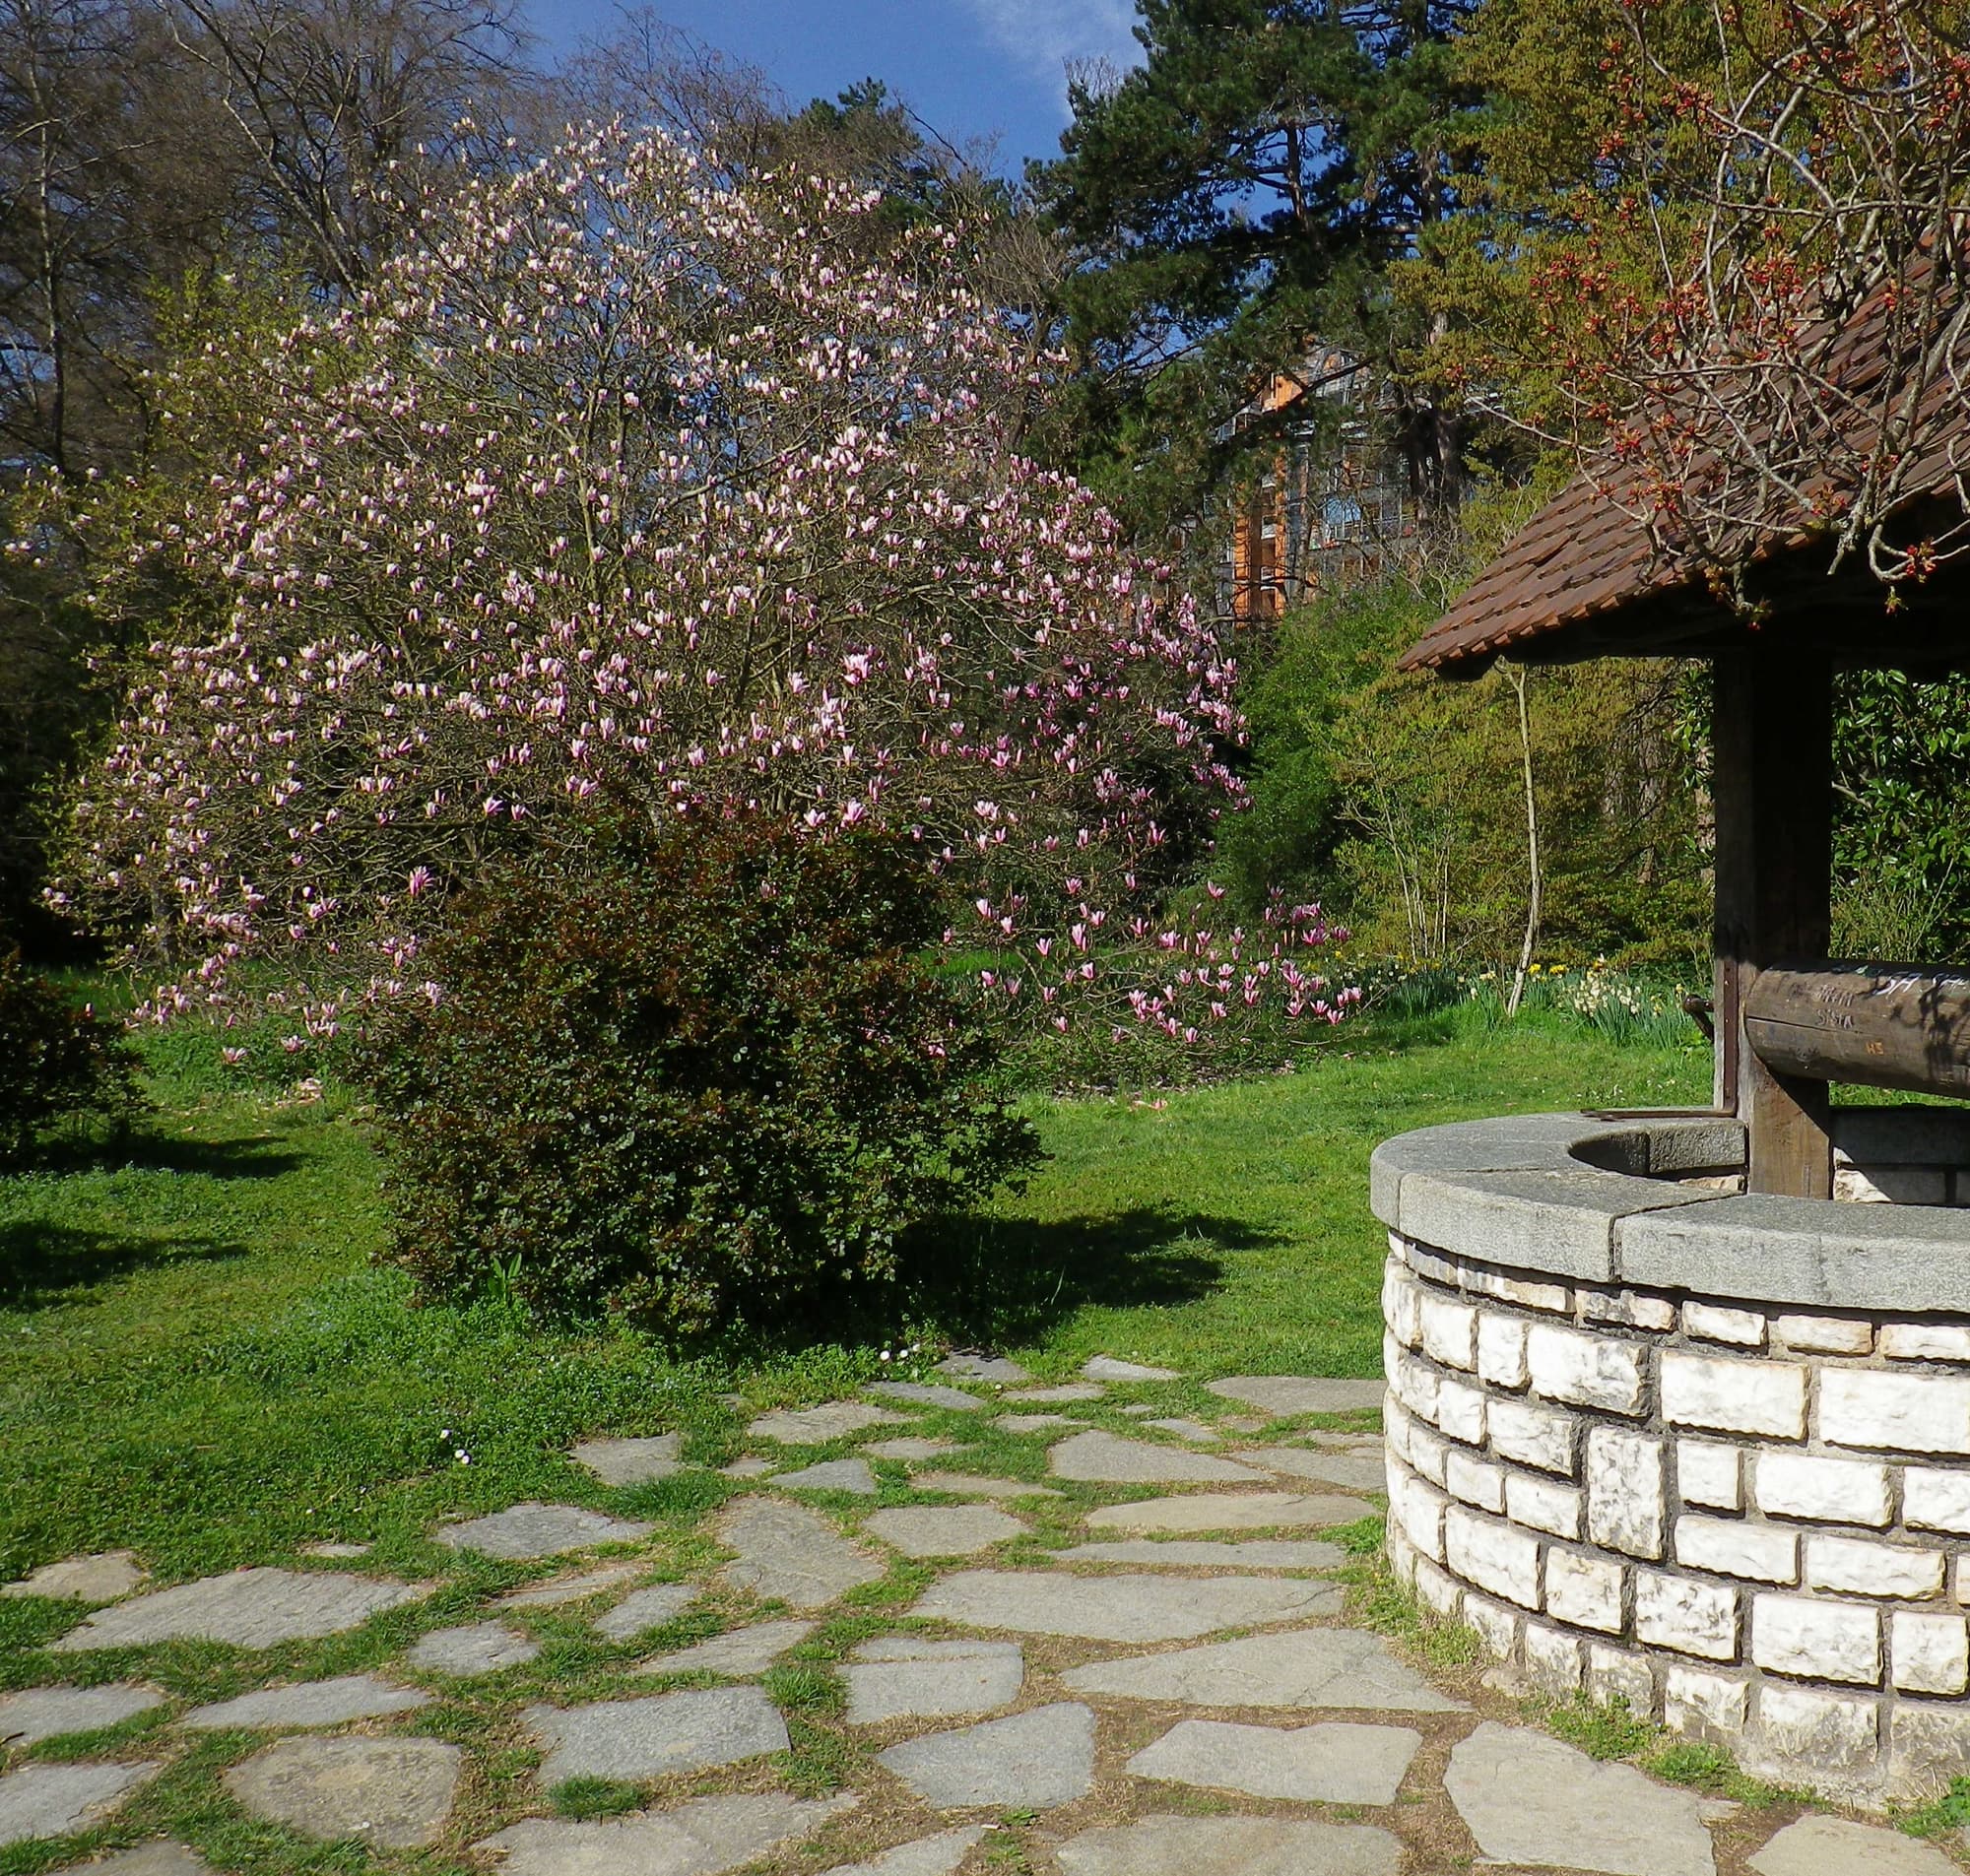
{"x":56,"y":1061}
{"x":701,"y":1079}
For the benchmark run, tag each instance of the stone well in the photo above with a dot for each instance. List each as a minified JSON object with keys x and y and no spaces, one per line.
{"x":1706,"y":1452}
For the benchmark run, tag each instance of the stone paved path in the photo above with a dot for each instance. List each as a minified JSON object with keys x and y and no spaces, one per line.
{"x":915,"y":1638}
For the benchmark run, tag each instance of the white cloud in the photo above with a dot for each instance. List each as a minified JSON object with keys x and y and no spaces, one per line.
{"x":1045,"y":34}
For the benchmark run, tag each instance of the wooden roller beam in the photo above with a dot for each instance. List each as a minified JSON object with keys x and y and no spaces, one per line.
{"x":1877,"y":1025}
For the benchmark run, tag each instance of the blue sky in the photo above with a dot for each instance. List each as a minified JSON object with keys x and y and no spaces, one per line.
{"x":971,"y":68}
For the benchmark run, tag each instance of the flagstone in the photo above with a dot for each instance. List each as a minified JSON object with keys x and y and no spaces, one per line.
{"x":1120,"y":1609}
{"x":1033,"y":1422}
{"x":1058,"y":1395}
{"x":246,"y":1609}
{"x":751,"y":1466}
{"x":735,"y":1655}
{"x":532,"y":1529}
{"x":309,"y":1704}
{"x":791,"y":1553}
{"x":1187,"y":1430}
{"x":556,"y":1591}
{"x":1163,"y":1845}
{"x":1284,"y":1394}
{"x":975,"y":1485}
{"x":1333,"y":1763}
{"x":1304,"y":1668}
{"x":644,"y":1609}
{"x":334,"y":1552}
{"x":831,"y":1476}
{"x":36,"y":1714}
{"x":910,"y":1447}
{"x":55,"y":1800}
{"x":815,"y":1426}
{"x":631,"y":1462}
{"x":700,"y":1838}
{"x":1345,"y":1470}
{"x":952,"y":1530}
{"x":101,"y":1578}
{"x":1230,"y":1510}
{"x":922,"y":1393}
{"x":159,"y":1857}
{"x":656,"y":1734}
{"x":1245,"y":1422}
{"x":982,"y":1367}
{"x":477,"y":1647}
{"x":1107,"y":1368}
{"x":938,"y":1856}
{"x":1028,"y":1762}
{"x":893,"y":1677}
{"x":1254,"y":1553}
{"x":1107,"y":1458}
{"x":1527,"y":1798}
{"x":1837,"y":1847}
{"x":391,"y":1794}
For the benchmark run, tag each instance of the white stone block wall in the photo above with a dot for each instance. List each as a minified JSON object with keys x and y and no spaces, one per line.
{"x":1750,"y":1523}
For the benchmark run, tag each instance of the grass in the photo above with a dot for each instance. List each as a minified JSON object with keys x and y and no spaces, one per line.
{"x":198,"y":1359}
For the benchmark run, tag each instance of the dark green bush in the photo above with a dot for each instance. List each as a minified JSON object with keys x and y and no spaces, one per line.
{"x":701,"y":1079}
{"x":57,"y":1060}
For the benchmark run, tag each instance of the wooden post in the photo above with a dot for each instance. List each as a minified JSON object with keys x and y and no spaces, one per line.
{"x":1773,"y":737}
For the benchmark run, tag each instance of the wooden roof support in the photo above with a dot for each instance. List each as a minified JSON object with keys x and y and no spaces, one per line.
{"x":1773,"y":788}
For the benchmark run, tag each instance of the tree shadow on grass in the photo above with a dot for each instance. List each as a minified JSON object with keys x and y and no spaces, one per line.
{"x":41,"y":1262}
{"x":1001,"y":1281}
{"x":139,"y":1150}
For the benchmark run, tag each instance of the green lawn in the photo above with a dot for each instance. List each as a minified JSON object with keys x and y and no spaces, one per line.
{"x":196,"y":1358}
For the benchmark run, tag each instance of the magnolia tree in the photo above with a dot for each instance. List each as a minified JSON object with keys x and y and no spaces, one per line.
{"x":1755,"y":309}
{"x":623,"y":485}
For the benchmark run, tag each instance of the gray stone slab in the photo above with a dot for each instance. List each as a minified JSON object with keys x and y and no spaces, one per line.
{"x":982,"y":1367}
{"x":1312,"y":1668}
{"x":924,"y":1393}
{"x":1284,"y":1395}
{"x":790,"y":1553}
{"x":910,"y":1447}
{"x":644,"y":1609}
{"x":36,"y":1714}
{"x":1345,"y":1470}
{"x":524,"y":1531}
{"x":751,"y":1466}
{"x":157,"y":1858}
{"x":1030,"y":1762}
{"x":556,"y":1591}
{"x":1232,"y":1846}
{"x":631,"y":1462}
{"x":1836,"y":1846}
{"x":1245,"y":1422}
{"x":978,"y":1485}
{"x":306,"y":1704}
{"x":938,"y":1856}
{"x":477,"y":1647}
{"x":1518,"y":1142}
{"x":700,"y":1838}
{"x":1187,"y":1430}
{"x":1033,"y":1422}
{"x":245,"y":1609}
{"x":1232,"y":1510}
{"x":1058,"y":1395}
{"x":337,"y":1552}
{"x":1120,"y":1609}
{"x":898,"y":1677}
{"x":1107,"y":1368}
{"x":737,"y":1655}
{"x":831,"y":1476}
{"x":937,"y":1530}
{"x":102,"y":1577}
{"x":1255,"y":1553}
{"x":1527,"y":1798}
{"x":55,"y":1800}
{"x":657,"y":1734}
{"x":1105,"y":1459}
{"x":1139,"y":1409}
{"x":390,"y":1793}
{"x":1333,"y":1763}
{"x":815,"y":1426}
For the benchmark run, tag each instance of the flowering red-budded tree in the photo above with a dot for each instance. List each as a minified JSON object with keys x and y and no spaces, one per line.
{"x":622,"y":482}
{"x":1755,"y":310}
